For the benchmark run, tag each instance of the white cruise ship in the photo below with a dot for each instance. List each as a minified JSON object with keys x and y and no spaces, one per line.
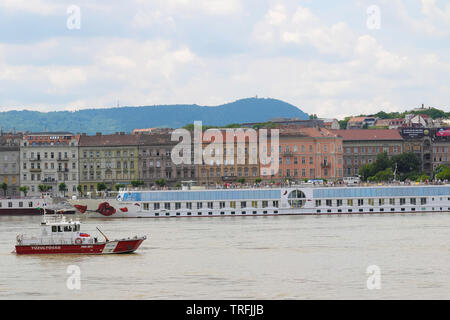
{"x":295,"y":200}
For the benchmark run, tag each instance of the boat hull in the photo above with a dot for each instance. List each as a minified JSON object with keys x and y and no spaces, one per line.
{"x":110,"y":247}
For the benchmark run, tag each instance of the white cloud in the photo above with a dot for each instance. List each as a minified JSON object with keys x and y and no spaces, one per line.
{"x":43,"y":7}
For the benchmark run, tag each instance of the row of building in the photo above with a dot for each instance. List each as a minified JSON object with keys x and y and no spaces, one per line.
{"x":52,"y":158}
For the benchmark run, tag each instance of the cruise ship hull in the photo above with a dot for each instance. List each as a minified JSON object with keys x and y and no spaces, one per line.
{"x":265,"y":202}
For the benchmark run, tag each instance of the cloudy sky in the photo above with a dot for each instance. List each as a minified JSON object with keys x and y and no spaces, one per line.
{"x":332,"y":58}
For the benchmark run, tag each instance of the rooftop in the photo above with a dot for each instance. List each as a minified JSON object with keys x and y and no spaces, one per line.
{"x":358,"y":135}
{"x":118,"y":139}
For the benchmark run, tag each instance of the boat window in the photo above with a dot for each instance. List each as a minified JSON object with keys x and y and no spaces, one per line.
{"x":296,"y":199}
{"x":59,"y":229}
{"x":67,"y":229}
{"x":54,"y":229}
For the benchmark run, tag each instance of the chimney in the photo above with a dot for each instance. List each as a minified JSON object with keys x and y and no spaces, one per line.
{"x":122,"y":133}
{"x":83,"y":134}
{"x":98,"y":134}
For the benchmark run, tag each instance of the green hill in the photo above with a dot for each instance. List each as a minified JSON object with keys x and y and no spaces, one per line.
{"x":126,"y":119}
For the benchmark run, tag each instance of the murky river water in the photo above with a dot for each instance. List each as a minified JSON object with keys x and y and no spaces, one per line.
{"x":291,"y":257}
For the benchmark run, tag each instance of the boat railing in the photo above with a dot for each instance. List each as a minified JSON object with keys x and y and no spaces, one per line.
{"x":341,"y":184}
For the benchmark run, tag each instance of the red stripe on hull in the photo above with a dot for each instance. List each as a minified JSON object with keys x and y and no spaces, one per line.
{"x":20,"y":212}
{"x":123,"y":246}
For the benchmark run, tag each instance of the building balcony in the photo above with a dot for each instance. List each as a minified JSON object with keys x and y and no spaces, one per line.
{"x":63,"y":170}
{"x":325,"y":165}
{"x":35,"y":170}
{"x":287,"y":154}
{"x":62,"y":159}
{"x":35,"y":159}
{"x":49,"y":181}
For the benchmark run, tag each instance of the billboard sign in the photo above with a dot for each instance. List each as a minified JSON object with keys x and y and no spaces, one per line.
{"x":443,"y":132}
{"x":414,"y":133}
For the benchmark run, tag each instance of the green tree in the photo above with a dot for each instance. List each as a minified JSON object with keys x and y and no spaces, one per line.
{"x":366,"y":171}
{"x":24,"y":189}
{"x":258,"y":180}
{"x":382,"y":162}
{"x":442,"y":172}
{"x":4,"y":186}
{"x":384,"y":175}
{"x":62,"y":187}
{"x":137,"y":183}
{"x":44,"y":188}
{"x":241,"y":180}
{"x":406,"y":163}
{"x":119,"y":186}
{"x":160,"y":182}
{"x":80,"y":189}
{"x":422,"y":178}
{"x":101,"y":186}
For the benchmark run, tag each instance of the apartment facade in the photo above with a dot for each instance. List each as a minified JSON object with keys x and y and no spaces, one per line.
{"x":155,"y":160}
{"x":49,"y":158}
{"x":233,"y":157}
{"x":110,"y":159}
{"x":362,"y":147}
{"x":307,"y":153}
{"x":10,"y":163}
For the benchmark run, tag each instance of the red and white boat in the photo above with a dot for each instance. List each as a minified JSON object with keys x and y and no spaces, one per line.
{"x":62,"y":236}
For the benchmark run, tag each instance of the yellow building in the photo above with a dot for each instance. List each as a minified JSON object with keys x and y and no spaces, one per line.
{"x":110,"y":159}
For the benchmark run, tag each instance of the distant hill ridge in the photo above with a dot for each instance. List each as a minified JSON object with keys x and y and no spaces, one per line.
{"x":126,"y":119}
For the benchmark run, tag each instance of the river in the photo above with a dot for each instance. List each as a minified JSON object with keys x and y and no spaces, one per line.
{"x":282,"y":257}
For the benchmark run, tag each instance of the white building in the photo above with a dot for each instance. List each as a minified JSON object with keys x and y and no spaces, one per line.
{"x":49,"y":158}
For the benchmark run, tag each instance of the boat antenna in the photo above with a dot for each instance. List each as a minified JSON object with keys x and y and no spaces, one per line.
{"x":106,"y":238}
